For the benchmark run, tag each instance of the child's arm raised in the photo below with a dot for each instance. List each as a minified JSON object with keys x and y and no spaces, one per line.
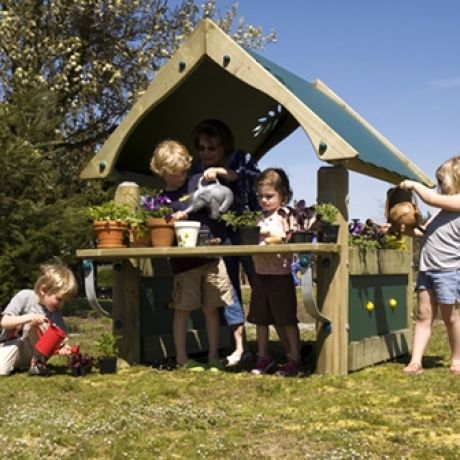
{"x":431,"y":197}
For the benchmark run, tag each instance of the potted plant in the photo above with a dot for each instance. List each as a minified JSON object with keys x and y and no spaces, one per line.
{"x":139,"y":234}
{"x":110,"y":223}
{"x":304,"y":217}
{"x":159,"y":222}
{"x":326,"y":215}
{"x":245,"y":223}
{"x":107,"y":346}
{"x":80,"y":363}
{"x":370,"y":235}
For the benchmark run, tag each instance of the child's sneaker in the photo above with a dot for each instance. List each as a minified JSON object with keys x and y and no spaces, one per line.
{"x":193,"y":366}
{"x":38,"y":367}
{"x":290,"y":369}
{"x":263,"y":366}
{"x":215,"y":365}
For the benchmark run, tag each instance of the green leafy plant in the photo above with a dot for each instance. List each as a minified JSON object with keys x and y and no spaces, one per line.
{"x":137,"y":220}
{"x":243,"y":219}
{"x":372,"y":236}
{"x":109,"y":211}
{"x":107,"y":344}
{"x":326,"y":213}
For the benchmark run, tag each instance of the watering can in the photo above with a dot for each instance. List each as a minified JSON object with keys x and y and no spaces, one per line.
{"x":50,"y":340}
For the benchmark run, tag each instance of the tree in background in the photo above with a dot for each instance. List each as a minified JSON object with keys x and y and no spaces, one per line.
{"x":38,"y":217}
{"x":98,"y":56}
{"x":69,"y":72}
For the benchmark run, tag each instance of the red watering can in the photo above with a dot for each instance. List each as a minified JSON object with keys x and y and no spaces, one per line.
{"x":50,"y":340}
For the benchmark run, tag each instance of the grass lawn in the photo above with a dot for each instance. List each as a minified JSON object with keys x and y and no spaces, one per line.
{"x":144,"y":413}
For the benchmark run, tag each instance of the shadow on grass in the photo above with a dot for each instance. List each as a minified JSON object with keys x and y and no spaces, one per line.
{"x":428,"y":362}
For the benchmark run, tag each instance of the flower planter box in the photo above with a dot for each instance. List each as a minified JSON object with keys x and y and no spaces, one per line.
{"x":379,"y":305}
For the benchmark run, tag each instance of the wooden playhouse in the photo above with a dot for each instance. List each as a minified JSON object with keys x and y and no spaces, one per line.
{"x":210,"y":76}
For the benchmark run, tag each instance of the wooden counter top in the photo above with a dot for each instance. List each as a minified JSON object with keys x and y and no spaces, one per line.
{"x":230,"y":250}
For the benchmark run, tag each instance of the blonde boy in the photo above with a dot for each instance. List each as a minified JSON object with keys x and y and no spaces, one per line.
{"x":29,"y":309}
{"x":198,"y":282}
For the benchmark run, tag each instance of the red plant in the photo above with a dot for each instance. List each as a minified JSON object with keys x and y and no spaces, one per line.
{"x":80,"y":363}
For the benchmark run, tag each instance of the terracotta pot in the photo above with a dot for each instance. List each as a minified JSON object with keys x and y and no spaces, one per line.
{"x":140,"y":239}
{"x":110,"y":233}
{"x":161,"y":231}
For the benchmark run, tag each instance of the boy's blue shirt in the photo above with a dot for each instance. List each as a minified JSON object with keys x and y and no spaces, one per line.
{"x":180,"y":200}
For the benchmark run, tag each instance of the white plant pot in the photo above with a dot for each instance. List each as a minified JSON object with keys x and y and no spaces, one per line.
{"x":187,"y":233}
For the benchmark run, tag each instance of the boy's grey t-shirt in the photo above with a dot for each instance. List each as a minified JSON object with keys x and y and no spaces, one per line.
{"x":441,"y":245}
{"x":25,"y":302}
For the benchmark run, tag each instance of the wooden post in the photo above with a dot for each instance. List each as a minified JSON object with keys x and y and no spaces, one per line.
{"x":410,"y":292}
{"x":126,"y":289}
{"x":332,"y":345}
{"x":126,"y":310}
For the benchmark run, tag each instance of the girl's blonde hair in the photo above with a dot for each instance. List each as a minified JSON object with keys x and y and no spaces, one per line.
{"x":56,"y":279}
{"x":278,"y":179}
{"x":170,"y":157}
{"x":448,"y":175}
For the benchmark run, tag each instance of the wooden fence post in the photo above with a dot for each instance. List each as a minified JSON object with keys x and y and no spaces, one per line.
{"x":332,"y":345}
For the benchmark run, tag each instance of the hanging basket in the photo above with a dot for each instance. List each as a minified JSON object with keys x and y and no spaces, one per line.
{"x":161,"y":231}
{"x":110,"y":233}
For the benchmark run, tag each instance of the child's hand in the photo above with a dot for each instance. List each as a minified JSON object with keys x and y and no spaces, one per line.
{"x":211,"y":174}
{"x":179,"y":215}
{"x":65,"y":350}
{"x":35,"y":319}
{"x":273,"y":240}
{"x":407,"y":185}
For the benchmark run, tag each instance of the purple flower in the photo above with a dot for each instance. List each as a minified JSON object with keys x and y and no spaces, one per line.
{"x":355,"y":227}
{"x":157,"y":205}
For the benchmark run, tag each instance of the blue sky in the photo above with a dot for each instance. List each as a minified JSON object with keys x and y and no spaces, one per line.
{"x":396,"y":62}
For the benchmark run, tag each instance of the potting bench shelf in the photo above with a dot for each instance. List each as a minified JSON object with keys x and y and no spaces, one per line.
{"x":217,"y":250}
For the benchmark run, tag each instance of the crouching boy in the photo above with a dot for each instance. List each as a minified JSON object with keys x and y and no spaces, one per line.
{"x":31,"y":309}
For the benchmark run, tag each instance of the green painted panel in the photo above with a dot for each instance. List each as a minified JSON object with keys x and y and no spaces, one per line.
{"x":378,"y":289}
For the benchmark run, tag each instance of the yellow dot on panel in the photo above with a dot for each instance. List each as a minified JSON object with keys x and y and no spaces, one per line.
{"x":370,"y":306}
{"x":393,"y":303}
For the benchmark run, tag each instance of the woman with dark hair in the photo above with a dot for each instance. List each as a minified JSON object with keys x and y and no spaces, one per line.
{"x":219,"y":160}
